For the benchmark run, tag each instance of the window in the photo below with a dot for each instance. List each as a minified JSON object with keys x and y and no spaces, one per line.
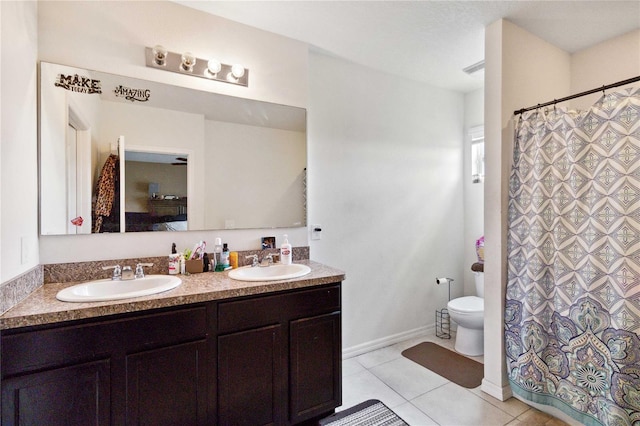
{"x":477,"y":154}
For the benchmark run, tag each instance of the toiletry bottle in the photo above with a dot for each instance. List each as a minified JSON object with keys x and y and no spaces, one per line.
{"x":174,"y":260}
{"x":225,"y":256}
{"x":217,"y":253}
{"x":205,"y":262}
{"x":285,"y":252}
{"x":233,"y":259}
{"x":183,"y":264}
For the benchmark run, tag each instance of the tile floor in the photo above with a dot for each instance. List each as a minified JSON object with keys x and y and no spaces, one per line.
{"x":422,"y":397}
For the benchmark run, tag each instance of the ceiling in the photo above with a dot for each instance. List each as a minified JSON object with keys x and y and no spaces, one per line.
{"x":429,"y":41}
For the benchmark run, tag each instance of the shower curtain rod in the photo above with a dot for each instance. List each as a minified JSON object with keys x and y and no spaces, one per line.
{"x":577,"y":95}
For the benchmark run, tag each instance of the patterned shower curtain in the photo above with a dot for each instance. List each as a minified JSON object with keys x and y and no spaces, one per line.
{"x":572,"y":316}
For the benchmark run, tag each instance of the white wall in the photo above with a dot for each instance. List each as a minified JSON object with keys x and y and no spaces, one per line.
{"x":473,"y":192}
{"x":385,"y":183}
{"x":265,"y":187}
{"x":111,"y":37}
{"x":614,"y":60}
{"x":18,"y":135}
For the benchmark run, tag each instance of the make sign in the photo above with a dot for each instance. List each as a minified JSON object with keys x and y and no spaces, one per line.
{"x":78,"y":83}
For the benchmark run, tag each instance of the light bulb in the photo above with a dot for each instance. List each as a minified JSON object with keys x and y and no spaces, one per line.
{"x":159,"y":55}
{"x":237,"y":70}
{"x":188,"y":61}
{"x":214,"y":66}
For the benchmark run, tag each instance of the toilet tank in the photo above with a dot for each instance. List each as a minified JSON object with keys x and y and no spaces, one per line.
{"x":479,"y":277}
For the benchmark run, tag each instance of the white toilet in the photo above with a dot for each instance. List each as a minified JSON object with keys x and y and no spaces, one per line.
{"x":468,"y":313}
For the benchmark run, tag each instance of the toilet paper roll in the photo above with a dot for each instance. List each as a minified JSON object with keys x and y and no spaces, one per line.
{"x":443,"y":280}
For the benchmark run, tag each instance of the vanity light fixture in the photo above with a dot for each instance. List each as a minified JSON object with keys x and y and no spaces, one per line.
{"x":214,"y":66}
{"x":237,"y":70}
{"x":159,"y":55}
{"x":187,"y":63}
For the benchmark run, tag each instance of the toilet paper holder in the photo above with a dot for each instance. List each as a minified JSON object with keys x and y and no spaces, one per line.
{"x":445,"y":281}
{"x":443,"y":321}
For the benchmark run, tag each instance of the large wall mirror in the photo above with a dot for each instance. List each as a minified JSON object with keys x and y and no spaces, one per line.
{"x":119,"y":154}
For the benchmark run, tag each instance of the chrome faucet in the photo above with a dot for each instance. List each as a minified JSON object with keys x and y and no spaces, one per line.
{"x":267,"y":260}
{"x":140,"y":269}
{"x":127,"y":273}
{"x":117,"y":272}
{"x":254,"y":260}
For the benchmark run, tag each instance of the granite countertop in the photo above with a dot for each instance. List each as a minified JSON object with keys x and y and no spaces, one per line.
{"x":41,"y":307}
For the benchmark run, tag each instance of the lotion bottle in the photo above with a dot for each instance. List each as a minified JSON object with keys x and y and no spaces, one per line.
{"x":174,"y":261}
{"x":285,"y":251}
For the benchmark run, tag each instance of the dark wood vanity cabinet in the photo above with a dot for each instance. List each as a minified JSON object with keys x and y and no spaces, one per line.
{"x":315,"y":366}
{"x":280,"y":355}
{"x":74,"y":395}
{"x":147,"y":368}
{"x":271,"y":359}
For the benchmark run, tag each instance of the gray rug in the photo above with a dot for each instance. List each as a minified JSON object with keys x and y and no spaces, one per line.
{"x":368,"y":413}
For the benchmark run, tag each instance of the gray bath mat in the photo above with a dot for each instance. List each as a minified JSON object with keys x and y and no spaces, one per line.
{"x":368,"y":413}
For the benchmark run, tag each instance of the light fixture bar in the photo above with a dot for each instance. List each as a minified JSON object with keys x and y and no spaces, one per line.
{"x":174,"y":62}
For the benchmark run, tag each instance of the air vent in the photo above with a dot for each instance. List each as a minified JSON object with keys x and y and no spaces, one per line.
{"x":472,"y":69}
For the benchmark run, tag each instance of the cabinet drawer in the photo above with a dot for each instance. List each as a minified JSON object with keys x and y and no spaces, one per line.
{"x":44,"y":348}
{"x":261,"y":310}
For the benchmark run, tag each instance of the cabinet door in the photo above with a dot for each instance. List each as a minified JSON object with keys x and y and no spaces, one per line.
{"x":315,"y":356}
{"x":167,"y":386}
{"x":75,"y":395}
{"x":251,"y":377}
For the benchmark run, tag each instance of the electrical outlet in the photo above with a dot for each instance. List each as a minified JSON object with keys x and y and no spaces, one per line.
{"x":316,"y":232}
{"x":27,"y":249}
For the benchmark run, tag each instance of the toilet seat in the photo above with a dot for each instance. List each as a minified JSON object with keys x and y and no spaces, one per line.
{"x":467,"y":304}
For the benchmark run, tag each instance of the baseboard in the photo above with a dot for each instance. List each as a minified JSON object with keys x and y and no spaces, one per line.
{"x":386,"y":341}
{"x":501,"y":393}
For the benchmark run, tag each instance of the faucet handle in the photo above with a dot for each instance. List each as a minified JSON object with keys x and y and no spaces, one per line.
{"x":140,"y":270}
{"x":117,"y":271}
{"x":253,"y":258}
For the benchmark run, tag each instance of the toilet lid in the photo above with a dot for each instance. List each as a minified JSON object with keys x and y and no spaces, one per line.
{"x":467,"y":304}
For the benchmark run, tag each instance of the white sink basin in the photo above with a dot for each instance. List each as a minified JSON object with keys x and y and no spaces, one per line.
{"x":269,"y":273}
{"x":107,"y":289}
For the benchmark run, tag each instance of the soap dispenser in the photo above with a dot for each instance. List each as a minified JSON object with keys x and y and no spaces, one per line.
{"x":285,"y":251}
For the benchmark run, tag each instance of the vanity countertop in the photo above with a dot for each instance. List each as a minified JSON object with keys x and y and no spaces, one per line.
{"x":41,"y":307}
